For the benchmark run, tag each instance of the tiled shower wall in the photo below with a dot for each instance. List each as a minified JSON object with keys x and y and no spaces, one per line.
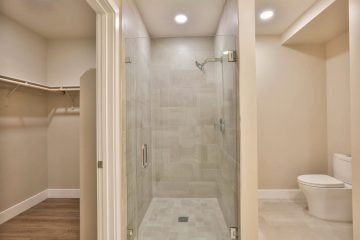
{"x":183,"y":111}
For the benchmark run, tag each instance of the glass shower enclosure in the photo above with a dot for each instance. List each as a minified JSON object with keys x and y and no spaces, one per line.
{"x":182,"y":138}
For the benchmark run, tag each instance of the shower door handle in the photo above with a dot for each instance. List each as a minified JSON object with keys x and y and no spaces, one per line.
{"x":144,"y":156}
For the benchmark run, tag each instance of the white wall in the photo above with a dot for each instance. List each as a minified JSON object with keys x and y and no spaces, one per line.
{"x":291,"y":85}
{"x":68,"y":60}
{"x":338,"y":97}
{"x":23,"y":52}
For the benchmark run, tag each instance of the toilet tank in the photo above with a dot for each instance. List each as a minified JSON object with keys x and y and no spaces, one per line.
{"x":342,"y":168}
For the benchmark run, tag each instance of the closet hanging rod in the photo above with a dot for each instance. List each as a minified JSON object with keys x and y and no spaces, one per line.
{"x":36,"y":85}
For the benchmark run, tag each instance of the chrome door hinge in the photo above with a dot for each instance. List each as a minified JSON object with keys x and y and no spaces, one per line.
{"x":234,"y":233}
{"x":130,"y":234}
{"x":231,"y":56}
{"x":100,"y":164}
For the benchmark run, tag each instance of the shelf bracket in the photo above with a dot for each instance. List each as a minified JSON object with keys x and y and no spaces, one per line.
{"x":12,"y":91}
{"x":72,"y":98}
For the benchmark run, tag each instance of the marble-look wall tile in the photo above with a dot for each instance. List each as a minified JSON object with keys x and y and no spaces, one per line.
{"x":177,"y":97}
{"x":183,"y":112}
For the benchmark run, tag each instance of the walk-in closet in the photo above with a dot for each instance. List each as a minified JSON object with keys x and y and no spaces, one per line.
{"x":47,"y":56}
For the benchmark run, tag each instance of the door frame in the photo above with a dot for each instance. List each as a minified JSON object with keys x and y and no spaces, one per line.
{"x":111,"y":177}
{"x":110,"y":211}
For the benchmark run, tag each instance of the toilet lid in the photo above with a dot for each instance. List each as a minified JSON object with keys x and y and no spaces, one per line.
{"x":322,"y":181}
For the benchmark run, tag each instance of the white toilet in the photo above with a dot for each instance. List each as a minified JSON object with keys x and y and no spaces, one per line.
{"x":328,"y":197}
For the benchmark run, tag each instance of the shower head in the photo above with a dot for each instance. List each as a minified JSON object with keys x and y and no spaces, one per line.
{"x":202,"y":65}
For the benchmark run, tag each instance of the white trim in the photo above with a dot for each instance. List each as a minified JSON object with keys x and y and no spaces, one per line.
{"x":15,"y":210}
{"x":63,"y":193}
{"x":280,"y":194}
{"x":108,"y":119}
{"x":21,"y":207}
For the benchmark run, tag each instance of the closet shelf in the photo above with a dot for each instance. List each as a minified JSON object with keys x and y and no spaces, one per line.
{"x":24,"y":83}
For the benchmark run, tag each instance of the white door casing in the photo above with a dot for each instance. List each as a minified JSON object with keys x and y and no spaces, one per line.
{"x":108,"y":119}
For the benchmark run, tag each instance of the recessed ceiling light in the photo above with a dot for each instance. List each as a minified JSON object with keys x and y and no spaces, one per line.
{"x":266,"y":15}
{"x":181,"y":18}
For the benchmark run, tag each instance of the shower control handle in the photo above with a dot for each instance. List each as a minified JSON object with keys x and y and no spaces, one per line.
{"x":144,"y":156}
{"x":220,"y":124}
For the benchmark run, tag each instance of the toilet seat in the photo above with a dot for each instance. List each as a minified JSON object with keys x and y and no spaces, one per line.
{"x":320,"y":181}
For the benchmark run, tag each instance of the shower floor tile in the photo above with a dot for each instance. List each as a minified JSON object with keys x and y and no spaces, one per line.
{"x":205,"y":220}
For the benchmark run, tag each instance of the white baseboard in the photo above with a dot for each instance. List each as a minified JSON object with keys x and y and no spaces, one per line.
{"x":63,"y":193}
{"x":21,"y":207}
{"x":280,"y":194}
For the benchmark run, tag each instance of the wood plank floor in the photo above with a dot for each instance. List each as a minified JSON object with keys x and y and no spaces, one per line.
{"x":52,"y":219}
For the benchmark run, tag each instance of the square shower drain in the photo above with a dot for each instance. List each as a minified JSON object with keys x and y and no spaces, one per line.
{"x":183,"y":219}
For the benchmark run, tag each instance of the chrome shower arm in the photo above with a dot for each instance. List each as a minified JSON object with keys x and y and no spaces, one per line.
{"x":215,"y":59}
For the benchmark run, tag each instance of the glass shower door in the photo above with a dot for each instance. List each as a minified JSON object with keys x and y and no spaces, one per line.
{"x":227,"y":138}
{"x":131,"y":139}
{"x":138,"y":132}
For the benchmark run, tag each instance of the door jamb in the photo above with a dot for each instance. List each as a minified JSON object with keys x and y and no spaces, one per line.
{"x":108,"y":119}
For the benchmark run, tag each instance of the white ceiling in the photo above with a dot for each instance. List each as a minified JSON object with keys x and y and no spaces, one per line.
{"x":286,"y":12}
{"x":203,"y":17}
{"x":328,"y":24}
{"x":61,"y":19}
{"x":53,"y":19}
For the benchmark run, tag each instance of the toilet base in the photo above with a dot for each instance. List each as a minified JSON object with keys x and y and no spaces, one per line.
{"x":334,"y":204}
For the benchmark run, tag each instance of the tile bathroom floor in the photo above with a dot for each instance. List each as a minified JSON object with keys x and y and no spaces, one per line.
{"x":206,"y":221}
{"x":289,"y":220}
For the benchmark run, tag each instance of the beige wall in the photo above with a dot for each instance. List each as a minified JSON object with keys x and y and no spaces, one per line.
{"x":291,"y":85}
{"x":338,"y":97}
{"x":355,"y":109}
{"x":68,"y":60}
{"x":55,"y":133}
{"x":248,"y":128}
{"x":29,"y":56}
{"x":23,"y":161}
{"x":39,"y":144}
{"x":88,"y":186}
{"x":23,"y":52}
{"x":63,"y":141}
